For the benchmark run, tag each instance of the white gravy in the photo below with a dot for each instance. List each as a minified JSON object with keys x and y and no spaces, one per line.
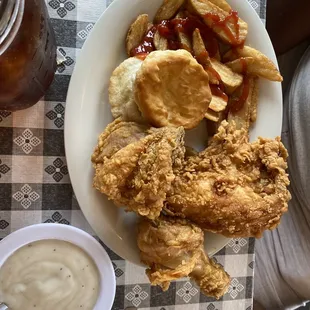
{"x":49,"y":275}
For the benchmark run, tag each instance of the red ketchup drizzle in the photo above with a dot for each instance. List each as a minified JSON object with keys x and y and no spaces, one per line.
{"x":141,"y":56}
{"x":146,"y":46}
{"x":169,"y":29}
{"x":200,"y":58}
{"x":223,"y":24}
{"x":237,"y":104}
{"x":217,"y":90}
{"x":244,"y":65}
{"x":214,"y":73}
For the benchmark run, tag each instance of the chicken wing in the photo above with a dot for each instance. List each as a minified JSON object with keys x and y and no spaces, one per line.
{"x":134,"y":165}
{"x":173,"y":248}
{"x":235,"y":188}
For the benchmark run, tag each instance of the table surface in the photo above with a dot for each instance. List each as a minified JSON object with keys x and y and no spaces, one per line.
{"x":35,"y":185}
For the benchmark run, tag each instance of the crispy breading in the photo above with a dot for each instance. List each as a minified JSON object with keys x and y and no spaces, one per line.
{"x":138,"y":171}
{"x":234,"y":188}
{"x":173,"y":248}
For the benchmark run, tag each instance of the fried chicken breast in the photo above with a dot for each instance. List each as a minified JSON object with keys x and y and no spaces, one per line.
{"x":134,"y":165}
{"x":234,"y":188}
{"x":173,"y":248}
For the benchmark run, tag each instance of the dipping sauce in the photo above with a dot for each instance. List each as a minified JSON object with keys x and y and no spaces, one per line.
{"x":49,"y":275}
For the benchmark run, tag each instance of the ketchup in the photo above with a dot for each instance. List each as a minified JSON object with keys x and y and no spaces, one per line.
{"x":203,"y":55}
{"x":141,"y":56}
{"x":223,"y":24}
{"x":217,"y":90}
{"x":169,"y":29}
{"x":244,"y":65}
{"x":210,"y":70}
{"x":147,"y":45}
{"x":238,"y":103}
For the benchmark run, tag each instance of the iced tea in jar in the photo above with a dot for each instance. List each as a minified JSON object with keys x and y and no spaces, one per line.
{"x":27,"y":53}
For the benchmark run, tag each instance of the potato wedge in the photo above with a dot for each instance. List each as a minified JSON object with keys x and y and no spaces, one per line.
{"x":185,"y":41}
{"x":240,"y":65}
{"x":262,"y":66}
{"x":242,"y":115}
{"x":199,"y":49}
{"x":212,"y":116}
{"x":223,"y":49}
{"x":212,"y":127}
{"x":222,"y":4}
{"x":160,"y":43}
{"x":231,"y":55}
{"x":214,"y":77}
{"x":218,"y":104}
{"x":136,"y":32}
{"x":217,"y":56}
{"x":213,"y":48}
{"x":180,"y":14}
{"x":230,"y":79}
{"x":253,"y":110}
{"x":228,"y":26}
{"x":168,"y":9}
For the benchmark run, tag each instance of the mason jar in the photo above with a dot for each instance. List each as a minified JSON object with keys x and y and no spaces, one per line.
{"x":27,"y":53}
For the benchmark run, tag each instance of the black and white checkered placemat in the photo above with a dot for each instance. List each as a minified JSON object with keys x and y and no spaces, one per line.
{"x":35,"y":185}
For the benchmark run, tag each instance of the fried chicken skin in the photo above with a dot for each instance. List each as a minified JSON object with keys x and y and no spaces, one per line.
{"x":173,"y":248}
{"x":234,"y":188}
{"x":134,"y":165}
{"x":116,"y":136}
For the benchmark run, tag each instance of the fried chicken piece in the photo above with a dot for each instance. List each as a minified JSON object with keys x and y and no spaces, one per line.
{"x":117,"y":135}
{"x":134,"y":166}
{"x":173,"y":248}
{"x":234,"y":188}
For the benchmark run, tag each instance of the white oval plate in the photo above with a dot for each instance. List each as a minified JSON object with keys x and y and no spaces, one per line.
{"x":88,"y":113}
{"x":90,"y":245}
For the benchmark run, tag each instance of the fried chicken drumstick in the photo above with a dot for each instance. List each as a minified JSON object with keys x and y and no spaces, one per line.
{"x":173,"y":248}
{"x":134,"y":165}
{"x":234,"y":188}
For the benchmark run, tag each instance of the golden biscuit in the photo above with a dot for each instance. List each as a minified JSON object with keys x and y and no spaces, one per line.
{"x":172,"y":89}
{"x":121,"y":95}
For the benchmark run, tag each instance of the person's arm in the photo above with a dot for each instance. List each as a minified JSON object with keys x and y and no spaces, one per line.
{"x":288,"y":23}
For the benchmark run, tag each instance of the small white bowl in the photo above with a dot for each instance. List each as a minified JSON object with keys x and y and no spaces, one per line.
{"x":90,"y":245}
